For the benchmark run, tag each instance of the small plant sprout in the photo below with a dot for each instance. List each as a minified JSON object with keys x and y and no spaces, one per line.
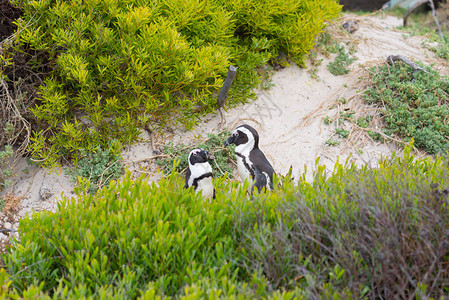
{"x":331,"y":142}
{"x":343,"y":133}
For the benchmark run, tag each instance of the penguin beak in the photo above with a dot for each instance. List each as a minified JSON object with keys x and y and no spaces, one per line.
{"x":229,"y":141}
{"x":209,"y":156}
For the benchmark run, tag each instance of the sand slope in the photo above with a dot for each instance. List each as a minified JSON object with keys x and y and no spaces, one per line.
{"x":289,"y":116}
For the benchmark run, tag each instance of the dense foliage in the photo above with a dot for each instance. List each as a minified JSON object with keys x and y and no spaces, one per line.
{"x":99,"y":167}
{"x":5,"y":169}
{"x":374,"y":233}
{"x":341,"y":62}
{"x":414,"y":104}
{"x":119,"y":65}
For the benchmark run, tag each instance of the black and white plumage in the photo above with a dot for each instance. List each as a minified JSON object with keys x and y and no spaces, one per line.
{"x":199,"y":174}
{"x":251,"y":162}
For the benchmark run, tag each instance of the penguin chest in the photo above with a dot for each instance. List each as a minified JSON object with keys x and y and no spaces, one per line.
{"x":201,"y":179}
{"x":242,"y":168}
{"x":206,"y":187}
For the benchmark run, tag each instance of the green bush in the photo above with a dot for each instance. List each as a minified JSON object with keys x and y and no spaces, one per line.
{"x":442,"y":50}
{"x":98,"y":167}
{"x":414,"y":105}
{"x":126,"y":236}
{"x":120,"y":65}
{"x":289,"y":26}
{"x":341,"y":62}
{"x":5,"y":167}
{"x":358,"y":233}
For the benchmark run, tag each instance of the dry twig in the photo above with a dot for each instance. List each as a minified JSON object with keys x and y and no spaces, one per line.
{"x":393,"y":58}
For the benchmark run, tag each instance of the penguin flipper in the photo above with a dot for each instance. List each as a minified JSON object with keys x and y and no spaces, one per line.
{"x":188,"y":174}
{"x":260,"y":162}
{"x":260,"y":180}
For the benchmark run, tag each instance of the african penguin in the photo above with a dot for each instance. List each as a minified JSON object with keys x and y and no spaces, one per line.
{"x":199,"y":174}
{"x":251,"y":162}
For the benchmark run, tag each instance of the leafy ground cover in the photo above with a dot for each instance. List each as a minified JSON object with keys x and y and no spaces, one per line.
{"x":326,"y":45}
{"x":5,"y":168}
{"x":414,"y":104}
{"x":411,"y":104}
{"x":99,"y":167}
{"x":341,"y":62}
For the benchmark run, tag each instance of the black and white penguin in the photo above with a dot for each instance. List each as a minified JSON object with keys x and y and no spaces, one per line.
{"x":199,"y":174}
{"x":251,"y":162}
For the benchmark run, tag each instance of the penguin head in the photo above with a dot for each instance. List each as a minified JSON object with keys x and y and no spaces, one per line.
{"x":244,"y":135}
{"x":199,"y":156}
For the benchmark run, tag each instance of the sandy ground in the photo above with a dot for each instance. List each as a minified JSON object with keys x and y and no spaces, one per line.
{"x":289,"y":118}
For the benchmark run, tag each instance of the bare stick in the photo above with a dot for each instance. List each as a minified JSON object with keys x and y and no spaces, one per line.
{"x":148,"y":159}
{"x":226,"y":86}
{"x":393,"y":58}
{"x":150,"y":132}
{"x":434,"y":15}
{"x":412,"y":8}
{"x":221,"y":100}
{"x":7,"y":230}
{"x":221,"y":171}
{"x":222,"y":117}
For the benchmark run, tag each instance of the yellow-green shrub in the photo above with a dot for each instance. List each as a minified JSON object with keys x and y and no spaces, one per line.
{"x":126,"y":236}
{"x":119,"y":65}
{"x":289,"y":25}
